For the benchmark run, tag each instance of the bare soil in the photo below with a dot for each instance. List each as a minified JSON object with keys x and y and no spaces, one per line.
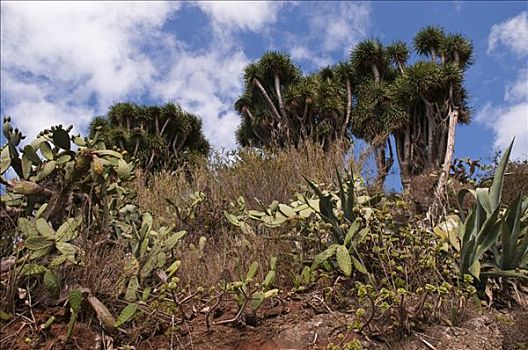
{"x":287,"y":326}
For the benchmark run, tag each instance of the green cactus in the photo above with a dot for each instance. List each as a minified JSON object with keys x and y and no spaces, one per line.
{"x":490,"y":241}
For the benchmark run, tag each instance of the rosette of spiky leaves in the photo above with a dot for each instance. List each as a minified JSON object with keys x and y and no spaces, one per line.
{"x":370,"y":57}
{"x":428,"y":41}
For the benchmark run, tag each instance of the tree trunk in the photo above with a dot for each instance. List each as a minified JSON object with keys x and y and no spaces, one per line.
{"x":400,"y":65}
{"x":440,"y":193}
{"x":380,"y":165}
{"x":266,"y":96}
{"x":164,"y":126}
{"x":376,"y":73}
{"x":157,"y":125}
{"x":136,"y":147}
{"x":348,"y":107}
{"x":433,"y":55}
{"x":151,"y":159}
{"x":457,"y":58}
{"x":279,"y":95}
{"x":403,"y":150}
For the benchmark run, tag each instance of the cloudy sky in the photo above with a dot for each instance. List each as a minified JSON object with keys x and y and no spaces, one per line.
{"x":67,"y":62}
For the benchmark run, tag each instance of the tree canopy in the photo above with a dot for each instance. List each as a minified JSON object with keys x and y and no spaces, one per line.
{"x":373,"y":95}
{"x":155,"y":135}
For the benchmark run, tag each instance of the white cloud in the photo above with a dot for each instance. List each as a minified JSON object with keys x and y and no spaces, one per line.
{"x":299,"y":53}
{"x":510,"y":119}
{"x":507,"y":123}
{"x":511,"y":34}
{"x":58,"y":56}
{"x":241,"y":15}
{"x":331,"y":28}
{"x":340,"y":27}
{"x":207,"y":84}
{"x":458,"y":5}
{"x":67,"y":62}
{"x":518,"y":90}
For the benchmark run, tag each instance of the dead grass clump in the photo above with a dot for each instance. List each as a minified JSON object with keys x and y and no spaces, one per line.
{"x":251,"y":174}
{"x":264,"y":175}
{"x":228,"y":255}
{"x":101,"y":268}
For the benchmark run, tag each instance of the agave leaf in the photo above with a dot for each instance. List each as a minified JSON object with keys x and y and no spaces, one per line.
{"x":343,"y":260}
{"x":252,"y":271}
{"x":522,"y":248}
{"x":352,"y":230}
{"x":51,"y":281}
{"x":104,"y":316}
{"x":232,"y":219}
{"x":467,"y":256}
{"x":496,"y":186}
{"x":32,"y":269}
{"x":484,"y":199}
{"x":171,"y":270}
{"x":61,"y":139}
{"x":358,"y":265}
{"x":27,"y":228}
{"x":468,"y":230}
{"x":273,"y":263}
{"x":488,"y":234}
{"x":68,"y":230}
{"x":125,"y":315}
{"x":513,"y":219}
{"x":44,"y":228}
{"x":149,"y":265}
{"x":37,"y":243}
{"x":324,"y":256}
{"x":270,"y":277}
{"x":132,"y":288}
{"x":522,"y":274}
{"x":287,"y":211}
{"x":507,"y":253}
{"x":474,"y":269}
{"x":66,"y":248}
{"x":257,"y":299}
{"x":170,"y":242}
{"x":461,"y":195}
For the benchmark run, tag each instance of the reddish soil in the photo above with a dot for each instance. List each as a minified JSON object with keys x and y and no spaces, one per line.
{"x":292,"y":325}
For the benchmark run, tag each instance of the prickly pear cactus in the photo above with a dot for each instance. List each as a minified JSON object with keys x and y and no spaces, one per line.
{"x":59,"y":170}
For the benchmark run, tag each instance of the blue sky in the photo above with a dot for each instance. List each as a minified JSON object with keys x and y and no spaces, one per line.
{"x":67,"y":62}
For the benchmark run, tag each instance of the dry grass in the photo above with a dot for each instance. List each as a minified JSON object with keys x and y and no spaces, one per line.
{"x":265,"y":176}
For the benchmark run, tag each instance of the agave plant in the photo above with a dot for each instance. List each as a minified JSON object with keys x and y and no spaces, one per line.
{"x":491,"y":241}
